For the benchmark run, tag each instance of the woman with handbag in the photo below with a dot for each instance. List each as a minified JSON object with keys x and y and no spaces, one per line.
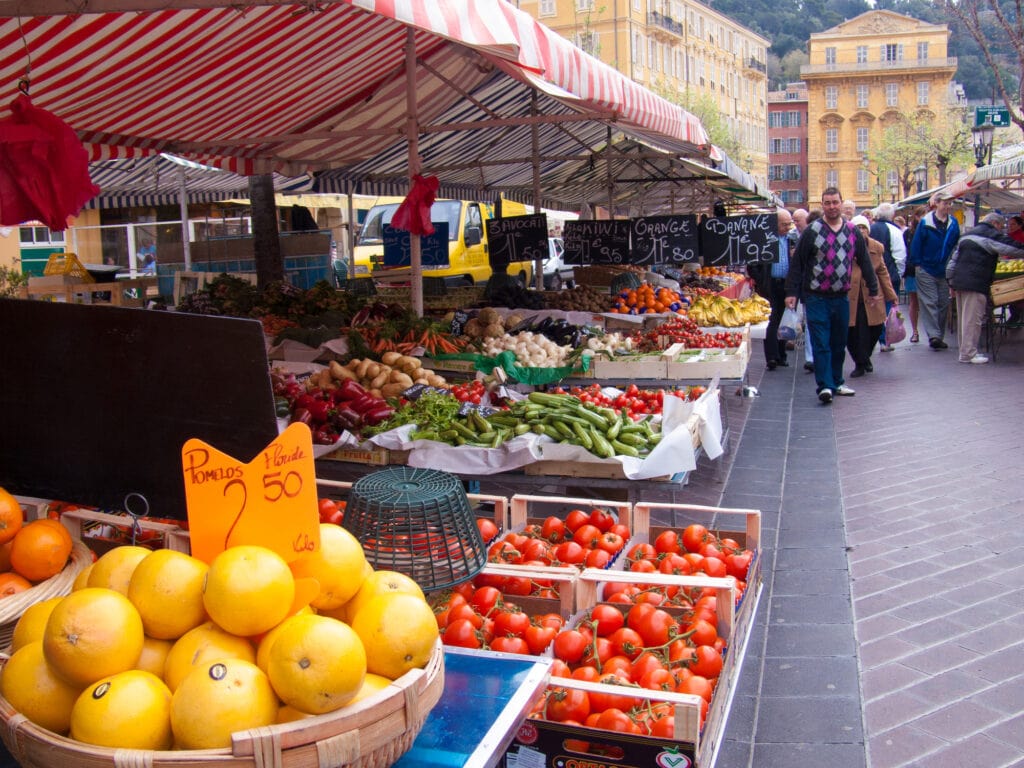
{"x":867,"y":320}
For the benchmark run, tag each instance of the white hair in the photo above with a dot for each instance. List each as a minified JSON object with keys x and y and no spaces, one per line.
{"x":885,"y":211}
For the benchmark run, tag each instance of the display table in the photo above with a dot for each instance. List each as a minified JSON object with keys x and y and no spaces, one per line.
{"x":486,"y":696}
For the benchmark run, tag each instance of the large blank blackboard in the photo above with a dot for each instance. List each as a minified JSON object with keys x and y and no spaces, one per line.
{"x":596,"y":242}
{"x":731,"y":241}
{"x":96,"y":402}
{"x":517,"y":238}
{"x":433,"y":248}
{"x":659,"y":240}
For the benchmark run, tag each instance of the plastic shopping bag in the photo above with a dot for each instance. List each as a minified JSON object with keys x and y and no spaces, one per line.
{"x":895,"y":330}
{"x":789,"y":326}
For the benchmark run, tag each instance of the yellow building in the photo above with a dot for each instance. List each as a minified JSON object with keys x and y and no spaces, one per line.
{"x":863,"y":76}
{"x":672,"y":46}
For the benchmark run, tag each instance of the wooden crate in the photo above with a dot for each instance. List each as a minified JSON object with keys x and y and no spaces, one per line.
{"x":83,"y":524}
{"x":525,"y":508}
{"x":631,"y":368}
{"x":724,"y":363}
{"x":1008,"y":290}
{"x":375,"y":457}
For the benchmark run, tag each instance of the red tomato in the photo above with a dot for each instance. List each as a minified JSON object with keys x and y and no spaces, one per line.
{"x":622,"y":529}
{"x":607,"y":619}
{"x":488,"y":528}
{"x":708,"y":662}
{"x":553,"y":529}
{"x":668,"y":542}
{"x":627,"y":642}
{"x":603,"y":519}
{"x":569,"y":552}
{"x":551,"y":620}
{"x":656,"y":627}
{"x":484,"y":599}
{"x":738,"y":564}
{"x":514,"y":623}
{"x":675,"y":564}
{"x":597,"y":558}
{"x":567,"y":704}
{"x":461,"y":634}
{"x":575,"y":519}
{"x":611,"y":543}
{"x":539,"y":638}
{"x":510,"y":645}
{"x":587,"y":536}
{"x":642,"y":551}
{"x":570,"y":645}
{"x":694,"y":537}
{"x":714,"y":566}
{"x":330,"y":512}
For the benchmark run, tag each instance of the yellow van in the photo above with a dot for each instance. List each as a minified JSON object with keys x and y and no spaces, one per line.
{"x":468,"y":263}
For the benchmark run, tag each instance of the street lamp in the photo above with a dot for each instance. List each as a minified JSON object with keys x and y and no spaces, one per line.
{"x":894,"y":190}
{"x":920,"y":177}
{"x":981,"y":135}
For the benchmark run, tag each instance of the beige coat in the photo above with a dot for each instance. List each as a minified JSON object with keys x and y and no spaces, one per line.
{"x":858,"y":287}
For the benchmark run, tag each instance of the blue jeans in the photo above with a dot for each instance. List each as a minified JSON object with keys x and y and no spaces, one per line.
{"x":828,"y":319}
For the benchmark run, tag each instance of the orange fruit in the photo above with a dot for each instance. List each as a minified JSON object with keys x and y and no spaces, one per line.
{"x":114,"y":569}
{"x":167,"y":589}
{"x":82,"y":579}
{"x":286,"y":714}
{"x":32,"y":623}
{"x":248,"y":590}
{"x":218,"y":698}
{"x":11,"y":516}
{"x":399,"y":632}
{"x":32,"y":688}
{"x":376,"y":583}
{"x":337,"y":565}
{"x":267,"y":640}
{"x":205,"y":643}
{"x":316,"y":664}
{"x":92,"y":634}
{"x":5,"y":556}
{"x":154,"y":656}
{"x":57,"y":526}
{"x":371,"y":684}
{"x":129,"y":710}
{"x":11,"y":583}
{"x":39,"y":551}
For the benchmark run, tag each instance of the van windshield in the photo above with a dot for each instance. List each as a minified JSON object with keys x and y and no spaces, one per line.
{"x":441,"y":211}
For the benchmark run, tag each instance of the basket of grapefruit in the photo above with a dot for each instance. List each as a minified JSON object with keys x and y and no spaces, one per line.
{"x":157,"y":658}
{"x":38,"y":561}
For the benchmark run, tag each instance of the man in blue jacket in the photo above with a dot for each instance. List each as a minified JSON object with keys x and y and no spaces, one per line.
{"x":934,"y":240}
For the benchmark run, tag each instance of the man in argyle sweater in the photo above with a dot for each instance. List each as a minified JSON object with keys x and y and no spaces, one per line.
{"x":820,"y":273}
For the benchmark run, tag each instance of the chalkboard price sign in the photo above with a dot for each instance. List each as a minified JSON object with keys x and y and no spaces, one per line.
{"x":596,"y":242}
{"x":433,"y":248}
{"x":731,"y":241}
{"x":664,"y":240}
{"x":518,"y":238}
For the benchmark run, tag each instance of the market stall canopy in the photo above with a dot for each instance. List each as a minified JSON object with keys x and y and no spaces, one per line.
{"x":996,"y":186}
{"x":298,"y":87}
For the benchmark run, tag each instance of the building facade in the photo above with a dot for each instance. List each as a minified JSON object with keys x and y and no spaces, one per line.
{"x":787,"y":144}
{"x":675,"y":46}
{"x":863,"y":76}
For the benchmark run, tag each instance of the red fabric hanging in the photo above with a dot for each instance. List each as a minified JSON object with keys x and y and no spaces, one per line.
{"x":44,"y":169}
{"x":413,"y":215}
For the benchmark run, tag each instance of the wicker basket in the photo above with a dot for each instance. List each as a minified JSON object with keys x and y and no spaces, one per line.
{"x":13,"y":606}
{"x":371,"y":734}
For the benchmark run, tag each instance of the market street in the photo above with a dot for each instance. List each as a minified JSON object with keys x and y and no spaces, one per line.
{"x":893,"y":598}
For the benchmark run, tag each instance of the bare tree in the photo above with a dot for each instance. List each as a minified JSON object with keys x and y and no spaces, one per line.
{"x":997,"y":27}
{"x":923,"y":139}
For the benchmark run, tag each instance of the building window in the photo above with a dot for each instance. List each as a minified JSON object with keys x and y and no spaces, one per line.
{"x":892,"y":94}
{"x":831,"y":96}
{"x":638,"y":49}
{"x":892,"y":180}
{"x":547,"y":8}
{"x":922,"y":92}
{"x":794,"y":119}
{"x":862,"y":97}
{"x":892,"y":52}
{"x":584,"y":5}
{"x":862,"y":180}
{"x":832,"y":178}
{"x":40,"y":236}
{"x":832,"y":140}
{"x":588,"y":41}
{"x":862,"y":54}
{"x":862,"y":139}
{"x":922,"y":51}
{"x":830,"y":56}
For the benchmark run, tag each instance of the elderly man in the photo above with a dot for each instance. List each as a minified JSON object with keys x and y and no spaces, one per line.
{"x":800,"y":220}
{"x":848,"y":209}
{"x":770,"y":280}
{"x":820,"y":273}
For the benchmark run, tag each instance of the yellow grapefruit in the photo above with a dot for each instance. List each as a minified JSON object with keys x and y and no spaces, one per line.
{"x":267,"y":640}
{"x":248,"y":590}
{"x":129,"y":710}
{"x":218,"y":698}
{"x":380,"y":583}
{"x":338,"y":565}
{"x":32,"y":623}
{"x":154,"y":656}
{"x":32,"y":688}
{"x":82,"y":579}
{"x":371,"y":685}
{"x":398,"y":631}
{"x":316,"y":664}
{"x":92,"y":634}
{"x":167,"y":589}
{"x":114,"y":569}
{"x":286,"y":714}
{"x":205,"y":643}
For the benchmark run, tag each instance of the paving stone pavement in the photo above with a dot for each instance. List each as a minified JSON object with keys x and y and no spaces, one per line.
{"x":890,"y":631}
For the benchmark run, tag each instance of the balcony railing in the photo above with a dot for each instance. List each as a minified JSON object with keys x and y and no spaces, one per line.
{"x":878,"y":66}
{"x":665,"y":22}
{"x":759,"y":66}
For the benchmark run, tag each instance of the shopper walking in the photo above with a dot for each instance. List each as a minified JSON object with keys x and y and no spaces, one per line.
{"x":867,"y":320}
{"x":801,"y":219}
{"x":970,"y":272}
{"x":910,"y":273}
{"x":934,"y":240}
{"x":894,"y":255}
{"x":820,"y":273}
{"x":770,"y":280}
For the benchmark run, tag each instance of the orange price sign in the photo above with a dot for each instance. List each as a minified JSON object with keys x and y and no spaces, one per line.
{"x":270,"y":502}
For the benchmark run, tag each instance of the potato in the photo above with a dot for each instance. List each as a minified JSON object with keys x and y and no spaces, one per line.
{"x":394,"y":389}
{"x":434,"y":380}
{"x":363,"y":371}
{"x":380,"y":379}
{"x":390,"y":358}
{"x":375,"y":392}
{"x":340,"y":372}
{"x":408,"y":364}
{"x":398,"y":377}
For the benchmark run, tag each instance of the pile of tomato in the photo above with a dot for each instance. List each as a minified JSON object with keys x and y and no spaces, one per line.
{"x":477,"y":615}
{"x":644,"y":646}
{"x":637,"y":402}
{"x":585,"y":539}
{"x":683,"y":330}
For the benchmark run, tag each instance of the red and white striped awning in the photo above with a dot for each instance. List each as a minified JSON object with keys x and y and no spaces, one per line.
{"x":293,"y":87}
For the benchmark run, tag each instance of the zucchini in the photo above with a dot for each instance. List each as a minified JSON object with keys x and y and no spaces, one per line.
{"x":602,"y":447}
{"x":621,"y":449}
{"x":584,"y":437}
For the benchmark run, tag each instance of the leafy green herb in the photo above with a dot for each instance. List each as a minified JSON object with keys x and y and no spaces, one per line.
{"x":436,"y":410}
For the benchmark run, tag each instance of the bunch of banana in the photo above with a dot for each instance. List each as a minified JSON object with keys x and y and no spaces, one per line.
{"x":712,"y":310}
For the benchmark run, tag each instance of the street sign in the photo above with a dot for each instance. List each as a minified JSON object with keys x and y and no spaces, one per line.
{"x":997,"y":116}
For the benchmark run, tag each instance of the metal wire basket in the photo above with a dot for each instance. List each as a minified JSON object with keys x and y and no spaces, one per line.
{"x":417,"y":522}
